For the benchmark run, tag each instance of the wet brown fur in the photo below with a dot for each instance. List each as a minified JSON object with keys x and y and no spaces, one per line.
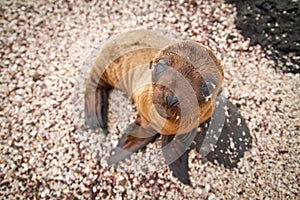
{"x":145,"y":96}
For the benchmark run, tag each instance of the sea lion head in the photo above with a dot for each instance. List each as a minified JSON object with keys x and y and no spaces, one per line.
{"x":186,"y":79}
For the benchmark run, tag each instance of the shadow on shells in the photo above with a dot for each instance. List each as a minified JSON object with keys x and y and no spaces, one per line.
{"x":222,"y":140}
{"x":275,"y":26}
{"x":225,"y":145}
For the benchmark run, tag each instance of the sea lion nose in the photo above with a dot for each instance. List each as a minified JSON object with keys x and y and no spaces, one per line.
{"x":171,"y":100}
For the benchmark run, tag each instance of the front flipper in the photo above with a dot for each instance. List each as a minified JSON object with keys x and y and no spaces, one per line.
{"x":135,"y":138}
{"x":175,"y":152}
{"x":96,"y":107}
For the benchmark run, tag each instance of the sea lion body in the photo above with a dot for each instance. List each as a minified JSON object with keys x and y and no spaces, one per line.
{"x":124,"y":62}
{"x":173,"y":83}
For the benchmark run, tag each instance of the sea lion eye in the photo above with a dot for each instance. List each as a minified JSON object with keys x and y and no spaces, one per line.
{"x":207,"y":89}
{"x":161,"y":66}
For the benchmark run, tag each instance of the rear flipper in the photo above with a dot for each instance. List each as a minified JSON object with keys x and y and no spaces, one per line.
{"x":175,"y":151}
{"x":135,"y":138}
{"x":96,"y":107}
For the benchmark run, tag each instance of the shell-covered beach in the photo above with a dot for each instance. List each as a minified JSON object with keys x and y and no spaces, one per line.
{"x":46,"y":152}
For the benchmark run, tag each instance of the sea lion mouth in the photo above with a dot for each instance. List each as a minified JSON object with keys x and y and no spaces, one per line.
{"x":168,"y":113}
{"x":161,"y":111}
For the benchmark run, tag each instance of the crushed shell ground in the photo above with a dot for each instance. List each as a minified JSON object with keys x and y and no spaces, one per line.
{"x":45,"y":151}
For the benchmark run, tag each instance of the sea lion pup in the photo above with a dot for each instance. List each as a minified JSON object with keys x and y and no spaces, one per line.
{"x":173,"y":83}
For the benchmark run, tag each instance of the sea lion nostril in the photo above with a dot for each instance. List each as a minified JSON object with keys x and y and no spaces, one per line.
{"x":171,"y":100}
